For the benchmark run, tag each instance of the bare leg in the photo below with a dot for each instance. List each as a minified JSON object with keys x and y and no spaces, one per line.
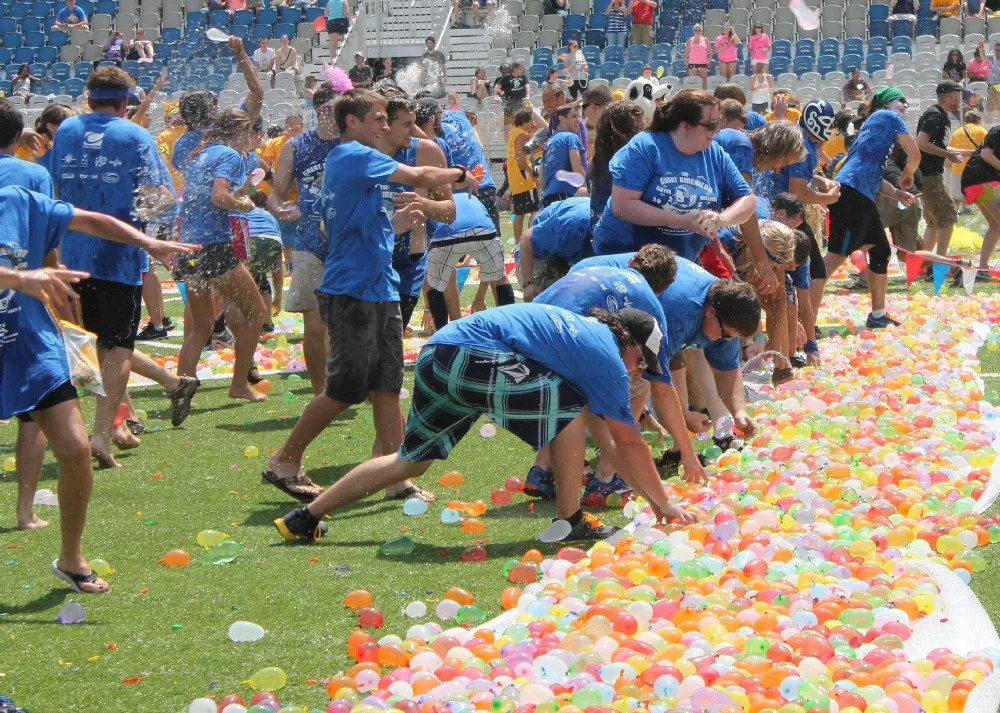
{"x":145,"y":366}
{"x":367,"y":478}
{"x":242,"y":294}
{"x":152,"y":296}
{"x":877,"y":286}
{"x":567,"y":451}
{"x":479,"y":301}
{"x":199,"y":318}
{"x":816,"y":288}
{"x":453,"y":299}
{"x":287,"y":462}
{"x":315,"y":347}
{"x":63,"y":426}
{"x":518,"y":224}
{"x":116,"y":364}
{"x":389,"y":431}
{"x":29,"y":452}
{"x":706,"y":383}
{"x":991,"y":212}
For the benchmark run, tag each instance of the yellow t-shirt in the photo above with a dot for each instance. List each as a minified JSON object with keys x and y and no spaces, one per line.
{"x":270,"y":152}
{"x":26,"y":154}
{"x":962,"y":140}
{"x":791,"y":114}
{"x":835,"y":145}
{"x":165,"y":145}
{"x":952,"y":12}
{"x":519,"y":183}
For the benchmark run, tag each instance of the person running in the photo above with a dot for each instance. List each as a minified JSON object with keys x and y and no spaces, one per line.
{"x":359,"y":297}
{"x":559,"y":364}
{"x":564,"y":155}
{"x":214,"y":178}
{"x":559,"y":238}
{"x":127,"y":181}
{"x":300,"y":165}
{"x":35,"y":376}
{"x":854,"y":218}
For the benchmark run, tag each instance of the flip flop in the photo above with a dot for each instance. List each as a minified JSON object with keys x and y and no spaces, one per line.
{"x":285,"y":485}
{"x":73,"y":579}
{"x":413,"y":492}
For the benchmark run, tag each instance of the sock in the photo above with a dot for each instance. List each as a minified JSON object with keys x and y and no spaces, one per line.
{"x":877,"y":313}
{"x":573,"y":519}
{"x":301,"y":520}
{"x":220,"y":324}
{"x":505,"y":295}
{"x":438,"y":307}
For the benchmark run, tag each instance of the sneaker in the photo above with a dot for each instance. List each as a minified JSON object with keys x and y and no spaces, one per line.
{"x":984,"y":276}
{"x":540,"y":483}
{"x":782,"y":375}
{"x":267,"y":328}
{"x":881,"y":322}
{"x":180,"y":399}
{"x":729,"y":443}
{"x":300,"y":524}
{"x":798,"y":360}
{"x":223,"y":339}
{"x":672,"y":459}
{"x":168,"y":323}
{"x":151,"y":332}
{"x":858,"y":285}
{"x":596,"y":487}
{"x":817,"y":332}
{"x":591,"y":528}
{"x":135,"y":426}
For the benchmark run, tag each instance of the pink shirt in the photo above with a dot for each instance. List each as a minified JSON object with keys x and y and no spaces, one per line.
{"x":725,"y":48}
{"x":234,"y":5}
{"x":978,"y":68}
{"x":698,"y":53}
{"x":759,"y":46}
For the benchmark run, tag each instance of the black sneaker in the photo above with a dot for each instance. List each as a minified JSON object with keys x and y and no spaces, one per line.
{"x":135,"y":426}
{"x":798,"y":360}
{"x":300,"y":524}
{"x":168,"y":323}
{"x":729,"y":443}
{"x":267,"y":328}
{"x":590,"y":528}
{"x":180,"y":399}
{"x":880,"y":322}
{"x":672,"y":459}
{"x":782,"y":375}
{"x":222,"y":339}
{"x":151,"y":332}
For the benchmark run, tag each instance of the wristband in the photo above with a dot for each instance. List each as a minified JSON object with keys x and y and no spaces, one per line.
{"x":812,"y":346}
{"x":461,"y":178}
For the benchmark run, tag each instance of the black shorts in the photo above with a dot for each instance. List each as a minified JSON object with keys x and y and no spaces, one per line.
{"x":817,"y":268}
{"x":555,"y":197}
{"x":211,"y":261}
{"x":111,"y":310}
{"x":62,"y":393}
{"x":488,"y":197}
{"x":524,"y":203}
{"x":854,"y":223}
{"x":340,"y":25}
{"x":366,"y":347}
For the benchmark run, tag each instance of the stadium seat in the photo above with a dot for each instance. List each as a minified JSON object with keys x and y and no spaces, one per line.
{"x":901,"y":28}
{"x":24,"y":55}
{"x":47,"y":55}
{"x":638,"y":53}
{"x":12,"y":39}
{"x":5,"y":55}
{"x":538,"y":72}
{"x":876,"y":28}
{"x":826,"y":64}
{"x":598,"y":22}
{"x":778,"y":65}
{"x":610,"y":71}
{"x":878,"y":13}
{"x":49,"y":86}
{"x":632,"y":70}
{"x":82,"y":70}
{"x":662,"y":51}
{"x":243,"y":17}
{"x":592,"y":53}
{"x":267,"y":16}
{"x":259,"y":31}
{"x":829,"y":47}
{"x":31,"y":24}
{"x":854,"y":45}
{"x":575,"y":22}
{"x":803,"y":64}
{"x":594,"y":37}
{"x":74,"y":87}
{"x":576,"y":35}
{"x":659,"y":64}
{"x":291,"y":15}
{"x":219,"y":18}
{"x":614,"y":53}
{"x":38,"y":70}
{"x":223,"y":66}
{"x":805,"y":48}
{"x":6,"y":87}
{"x":543,"y":55}
{"x":781,"y":48}
{"x":284,"y":28}
{"x":849,"y":62}
{"x":876,"y":61}
{"x":18,"y":10}
{"x":902,"y":44}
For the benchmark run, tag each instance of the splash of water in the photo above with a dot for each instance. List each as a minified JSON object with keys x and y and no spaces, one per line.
{"x":423,"y":75}
{"x":500,"y":28}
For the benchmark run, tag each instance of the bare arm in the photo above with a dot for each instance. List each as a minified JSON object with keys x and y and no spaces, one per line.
{"x":427,"y":176}
{"x":741,"y":210}
{"x":527,"y":267}
{"x":223,"y":198}
{"x":108,"y":228}
{"x":147,"y":101}
{"x":730,"y":386}
{"x":519,"y":157}
{"x":575,"y":163}
{"x":629,"y":206}
{"x":668,"y":408}
{"x":925,"y":144}
{"x":438,"y":203}
{"x":255,"y":99}
{"x":799,"y":188}
{"x":281,"y":182}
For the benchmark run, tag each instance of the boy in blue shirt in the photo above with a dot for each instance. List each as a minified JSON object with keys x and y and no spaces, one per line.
{"x":35,"y":376}
{"x":71,"y":18}
{"x":564,"y":152}
{"x":359,"y":295}
{"x":535,"y":370}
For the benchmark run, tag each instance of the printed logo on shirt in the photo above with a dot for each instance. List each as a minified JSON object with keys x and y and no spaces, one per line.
{"x":612,"y":303}
{"x":93,"y":140}
{"x":682,"y":194}
{"x":11,"y":259}
{"x":111,"y":178}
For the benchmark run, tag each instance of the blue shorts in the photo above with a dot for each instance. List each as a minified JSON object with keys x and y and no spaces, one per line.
{"x":289,"y":231}
{"x":800,"y":276}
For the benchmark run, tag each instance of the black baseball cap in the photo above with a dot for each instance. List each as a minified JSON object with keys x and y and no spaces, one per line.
{"x":646,"y":334}
{"x":948,"y":86}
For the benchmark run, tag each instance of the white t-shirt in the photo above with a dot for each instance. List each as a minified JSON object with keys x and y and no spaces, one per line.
{"x":759,"y":92}
{"x":575,"y":65}
{"x":262,"y":58}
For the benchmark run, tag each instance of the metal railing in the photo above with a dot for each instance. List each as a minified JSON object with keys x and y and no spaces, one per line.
{"x":407,"y":24}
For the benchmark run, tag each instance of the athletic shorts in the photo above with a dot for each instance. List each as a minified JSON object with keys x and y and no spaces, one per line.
{"x":340,"y":25}
{"x":264,"y":254}
{"x":366,"y":347}
{"x":712,"y":262}
{"x":62,"y":393}
{"x":982,"y":193}
{"x":854,"y":223}
{"x":903,"y":223}
{"x":111,"y":310}
{"x":307,"y":275}
{"x":453,"y":386}
{"x":442,"y":259}
{"x":488,"y":197}
{"x":939,"y":208}
{"x":817,"y":268}
{"x":697,"y":67}
{"x":211,"y":261}
{"x":524,"y":203}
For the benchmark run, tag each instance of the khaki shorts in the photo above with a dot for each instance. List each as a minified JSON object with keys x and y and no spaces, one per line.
{"x":307,"y":274}
{"x":638,"y":387}
{"x":904,"y":225}
{"x":939,"y":208}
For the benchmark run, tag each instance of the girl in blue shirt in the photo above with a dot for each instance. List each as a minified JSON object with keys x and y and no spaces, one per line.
{"x":564,"y":151}
{"x":213,"y":184}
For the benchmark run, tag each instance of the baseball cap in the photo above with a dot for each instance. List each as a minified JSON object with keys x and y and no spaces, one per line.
{"x":359,"y":54}
{"x":948,"y":86}
{"x":646,"y":334}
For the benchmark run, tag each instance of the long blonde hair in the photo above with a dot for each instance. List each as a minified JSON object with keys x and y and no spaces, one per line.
{"x":779,"y":242}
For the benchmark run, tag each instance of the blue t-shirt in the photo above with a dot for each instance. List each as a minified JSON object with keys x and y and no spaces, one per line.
{"x":99,"y":162}
{"x":202,"y":222}
{"x":670,"y":180}
{"x":611,"y":289}
{"x":600,"y":196}
{"x":865,"y":163}
{"x":32,"y":355}
{"x":556,"y":159}
{"x":15,"y":172}
{"x":684,"y":308}
{"x":755,"y":120}
{"x":74,"y":16}
{"x":562,"y":230}
{"x":465,"y":147}
{"x":471,"y":219}
{"x":581,"y":350}
{"x":775,"y":182}
{"x":800,"y":276}
{"x":739,"y":147}
{"x":183,"y":147}
{"x":261,"y":222}
{"x":410,"y":268}
{"x":359,"y":263}
{"x":309,"y":153}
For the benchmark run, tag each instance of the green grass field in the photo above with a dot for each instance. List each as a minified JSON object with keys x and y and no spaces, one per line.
{"x":169,"y":626}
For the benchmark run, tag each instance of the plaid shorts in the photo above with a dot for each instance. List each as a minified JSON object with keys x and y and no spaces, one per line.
{"x":453,"y":386}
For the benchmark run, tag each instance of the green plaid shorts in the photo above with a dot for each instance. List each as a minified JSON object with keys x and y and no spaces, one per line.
{"x":453,"y":386}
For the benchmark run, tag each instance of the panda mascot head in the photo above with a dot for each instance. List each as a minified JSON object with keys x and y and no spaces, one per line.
{"x":645,"y":93}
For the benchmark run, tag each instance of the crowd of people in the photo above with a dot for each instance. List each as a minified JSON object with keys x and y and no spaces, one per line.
{"x":651,"y":236}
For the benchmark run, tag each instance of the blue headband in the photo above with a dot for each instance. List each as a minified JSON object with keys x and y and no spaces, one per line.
{"x":109,"y":93}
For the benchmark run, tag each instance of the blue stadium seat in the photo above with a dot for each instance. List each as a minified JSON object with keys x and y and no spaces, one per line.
{"x":39,"y":70}
{"x":49,"y":86}
{"x":592,"y":53}
{"x":657,"y":65}
{"x":163,"y":49}
{"x":223,"y":66}
{"x":802,"y":64}
{"x":85,"y":5}
{"x":215,"y":83}
{"x":598,"y":22}
{"x":185,"y":50}
{"x":901,"y":28}
{"x":878,"y":45}
{"x":610,"y":71}
{"x":6,"y":87}
{"x":594,"y":37}
{"x":538,"y":72}
{"x":241,"y":31}
{"x":878,"y":28}
{"x":10,"y":71}
{"x":875,"y":61}
{"x":692,"y":15}
{"x":614,"y":53}
{"x":291,"y":15}
{"x":24,"y":55}
{"x":829,"y":46}
{"x":600,"y":6}
{"x":107,"y":7}
{"x":74,"y":87}
{"x":312,"y":13}
{"x":568,"y":35}
{"x":805,"y":47}
{"x":218,"y":18}
{"x":662,"y":51}
{"x":12,"y":39}
{"x":170,"y":35}
{"x":4,"y":56}
{"x":718,"y":5}
{"x":61,"y":71}
{"x":666,"y":33}
{"x":827,"y":63}
{"x":679,"y":68}
{"x":284,"y":28}
{"x":267,"y":16}
{"x":31,"y":24}
{"x":575,"y":22}
{"x":632,"y":70}
{"x":18,"y":10}
{"x":132,"y":67}
{"x":854,"y":45}
{"x":781,"y":48}
{"x":34,"y":39}
{"x":849,"y":62}
{"x":879,"y":13}
{"x":243,"y":17}
{"x":195,"y":19}
{"x":47,"y":55}
{"x":40,"y":8}
{"x":8,"y":24}
{"x":778,"y":65}
{"x":82,"y":70}
{"x":57,"y":38}
{"x":543,"y":55}
{"x":258,"y":31}
{"x":902,"y":44}
{"x":927,"y":26}
{"x":638,"y":53}
{"x":199,"y":67}
{"x":146,"y":84}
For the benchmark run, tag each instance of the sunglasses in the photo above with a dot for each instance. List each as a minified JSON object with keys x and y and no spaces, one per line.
{"x":710,"y":125}
{"x":641,"y":363}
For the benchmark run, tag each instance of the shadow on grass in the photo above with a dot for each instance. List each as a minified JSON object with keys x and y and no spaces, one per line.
{"x":53,"y":600}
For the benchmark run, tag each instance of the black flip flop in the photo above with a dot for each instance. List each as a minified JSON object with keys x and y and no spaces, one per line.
{"x":283,"y":484}
{"x":74,"y":579}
